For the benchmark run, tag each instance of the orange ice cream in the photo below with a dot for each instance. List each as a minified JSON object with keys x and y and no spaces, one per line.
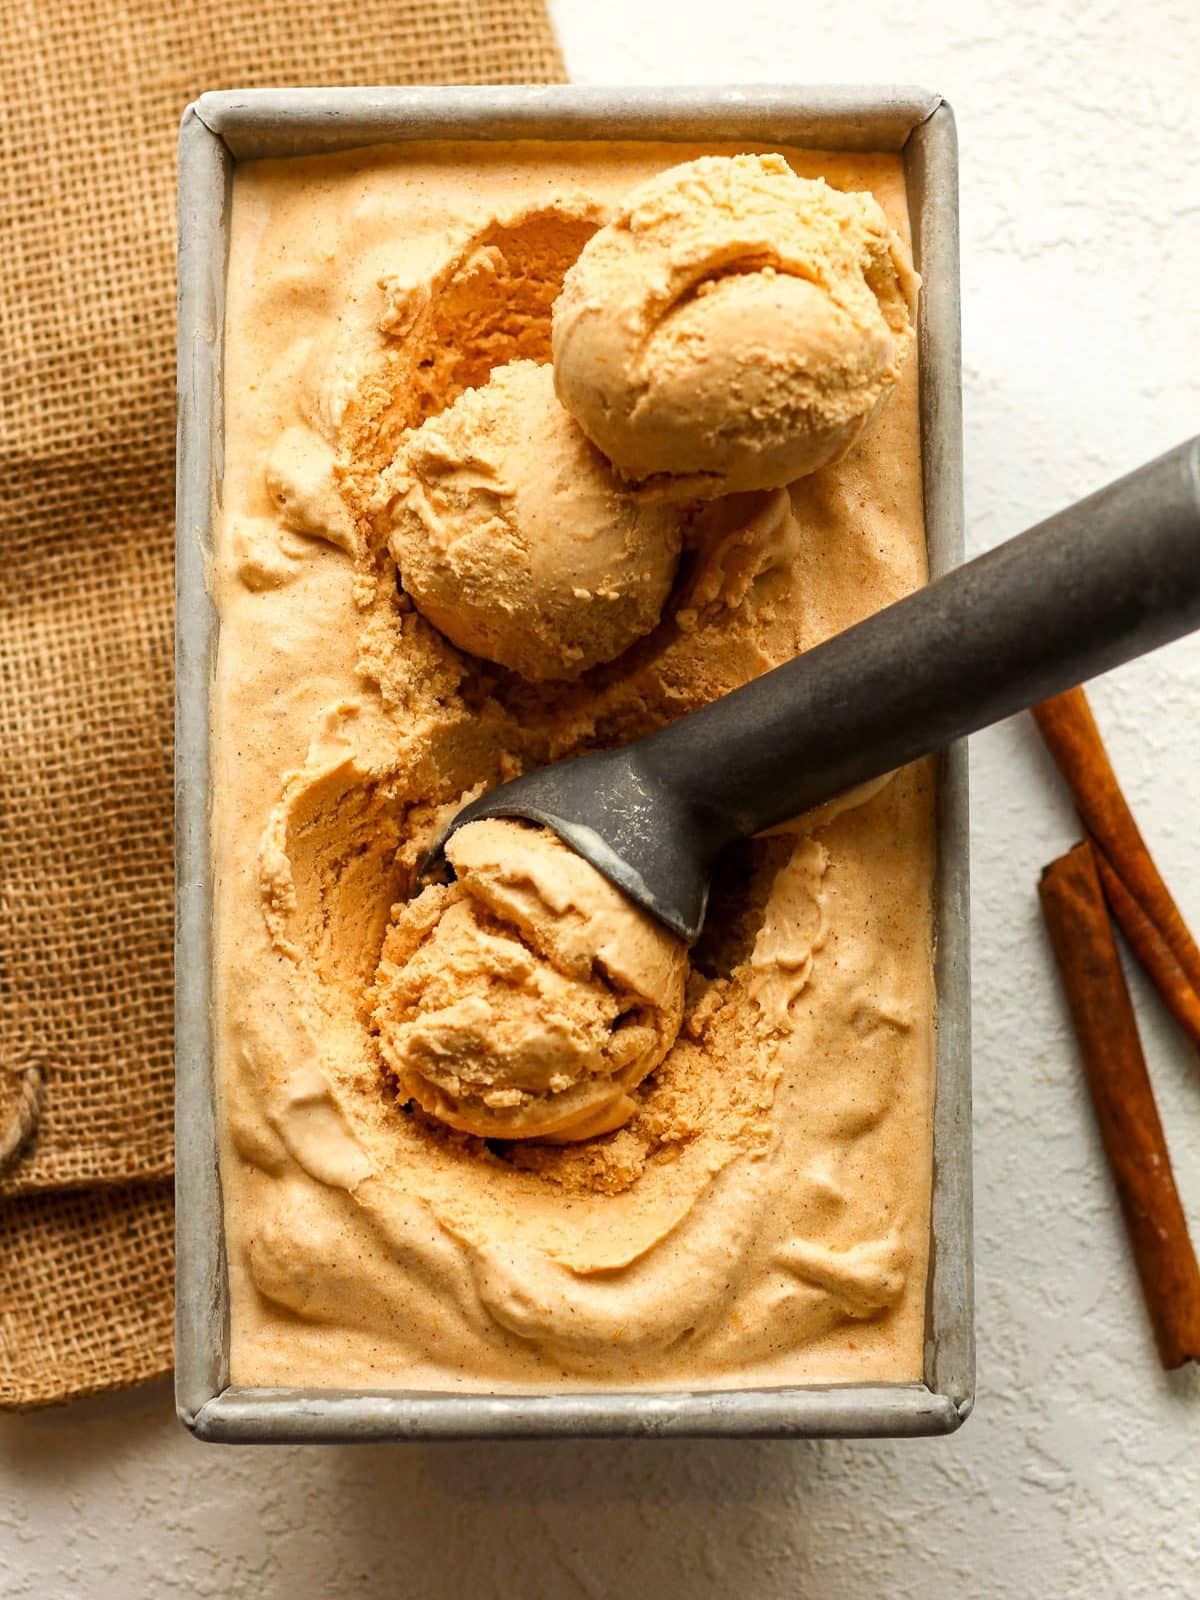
{"x":506,"y":1135}
{"x":734,"y":327}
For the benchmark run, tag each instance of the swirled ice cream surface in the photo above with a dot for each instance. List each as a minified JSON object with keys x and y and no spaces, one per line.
{"x":761,"y":1218}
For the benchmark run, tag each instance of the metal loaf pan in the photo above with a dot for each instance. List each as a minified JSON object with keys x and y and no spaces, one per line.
{"x":220,"y":130}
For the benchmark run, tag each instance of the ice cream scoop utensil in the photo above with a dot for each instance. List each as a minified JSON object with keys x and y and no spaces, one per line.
{"x":1105,"y":580}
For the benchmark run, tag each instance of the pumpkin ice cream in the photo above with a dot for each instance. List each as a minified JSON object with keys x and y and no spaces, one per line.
{"x":528,"y":998}
{"x":513,"y":534}
{"x":505,"y":1134}
{"x":734,"y":326}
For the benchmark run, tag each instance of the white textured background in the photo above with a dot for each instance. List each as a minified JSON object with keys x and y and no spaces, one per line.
{"x":1079,"y":1474}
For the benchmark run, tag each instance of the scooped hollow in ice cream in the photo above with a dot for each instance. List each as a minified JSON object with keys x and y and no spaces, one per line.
{"x":734,"y":327}
{"x":529,"y":998}
{"x":517,"y":540}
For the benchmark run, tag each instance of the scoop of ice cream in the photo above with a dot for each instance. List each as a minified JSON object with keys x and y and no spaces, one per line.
{"x":734,"y":327}
{"x":517,"y":540}
{"x":528,"y":998}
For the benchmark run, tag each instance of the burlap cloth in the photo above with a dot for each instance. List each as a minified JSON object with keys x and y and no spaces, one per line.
{"x":91,"y":93}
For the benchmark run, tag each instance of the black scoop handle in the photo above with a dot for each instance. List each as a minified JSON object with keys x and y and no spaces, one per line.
{"x":1107,"y":579}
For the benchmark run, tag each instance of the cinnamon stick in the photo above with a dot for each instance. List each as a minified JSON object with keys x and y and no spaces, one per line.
{"x":1151,"y":949}
{"x":1085,"y":948}
{"x":1134,"y":887}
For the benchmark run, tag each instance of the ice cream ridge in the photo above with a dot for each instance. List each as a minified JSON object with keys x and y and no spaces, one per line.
{"x":531,"y":449}
{"x":734,"y":327}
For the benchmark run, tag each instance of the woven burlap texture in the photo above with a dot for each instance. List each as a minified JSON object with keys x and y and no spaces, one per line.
{"x":85,"y":1291}
{"x":90,"y":97}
